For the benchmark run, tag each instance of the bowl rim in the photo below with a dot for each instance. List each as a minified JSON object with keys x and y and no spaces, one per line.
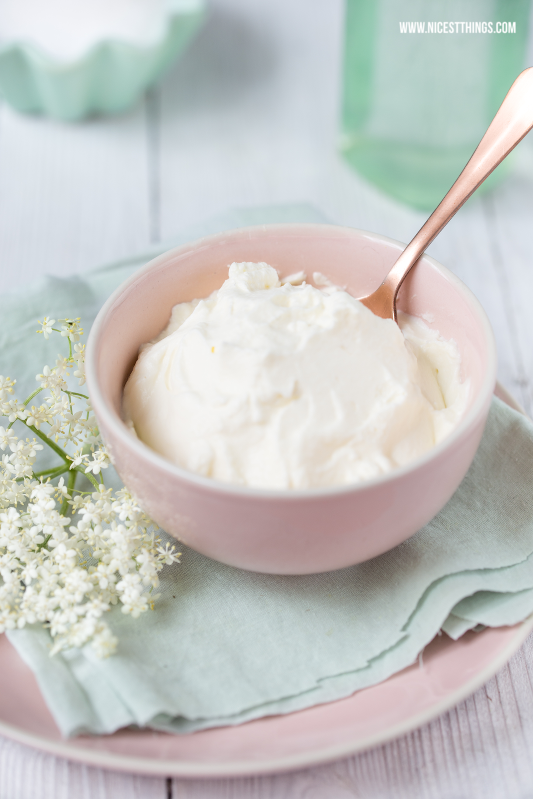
{"x":142,"y":450}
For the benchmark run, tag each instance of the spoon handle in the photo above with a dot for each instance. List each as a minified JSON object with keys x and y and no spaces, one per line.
{"x":512,"y":122}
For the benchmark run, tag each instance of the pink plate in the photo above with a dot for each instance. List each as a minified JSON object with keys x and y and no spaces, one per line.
{"x":449,"y":672}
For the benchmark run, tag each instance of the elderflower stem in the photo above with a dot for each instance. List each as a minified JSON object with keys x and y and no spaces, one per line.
{"x":62,"y":454}
{"x":56,"y":471}
{"x":88,"y":475}
{"x":28,"y":399}
{"x":70,"y":488}
{"x":99,"y":547}
{"x":57,"y":449}
{"x":44,"y":544}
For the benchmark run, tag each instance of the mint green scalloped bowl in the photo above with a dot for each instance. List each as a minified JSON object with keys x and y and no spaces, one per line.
{"x":108,"y":79}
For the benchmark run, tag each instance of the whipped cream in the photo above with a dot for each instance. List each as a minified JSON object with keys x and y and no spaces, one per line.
{"x":291,"y":386}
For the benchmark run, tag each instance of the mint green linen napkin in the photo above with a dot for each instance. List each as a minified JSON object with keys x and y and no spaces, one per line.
{"x":224,"y":646}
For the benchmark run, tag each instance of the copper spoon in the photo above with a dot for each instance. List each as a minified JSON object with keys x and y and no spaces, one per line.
{"x":512,"y":122}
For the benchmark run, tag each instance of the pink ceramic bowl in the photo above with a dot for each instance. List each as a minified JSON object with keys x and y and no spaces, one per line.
{"x":288,"y":532}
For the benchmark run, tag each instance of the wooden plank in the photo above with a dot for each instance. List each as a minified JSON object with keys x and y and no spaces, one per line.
{"x":29,"y":774}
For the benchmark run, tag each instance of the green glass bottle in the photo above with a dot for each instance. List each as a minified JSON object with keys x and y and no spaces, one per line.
{"x":416,"y":104}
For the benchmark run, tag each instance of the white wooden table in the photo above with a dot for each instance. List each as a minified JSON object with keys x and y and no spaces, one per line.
{"x":249,"y":118}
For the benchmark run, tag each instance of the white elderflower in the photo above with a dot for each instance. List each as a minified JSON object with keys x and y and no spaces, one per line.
{"x":68,"y":553}
{"x":46,"y":326}
{"x":62,"y":365}
{"x":70,"y":328}
{"x":77,"y":459}
{"x":79,"y":358}
{"x":61,"y":489}
{"x":14,"y":410}
{"x":52,"y":379}
{"x":134,"y":601}
{"x":168,"y":554}
{"x":7,"y":438}
{"x":37,"y":416}
{"x":13,"y":492}
{"x":6,"y":386}
{"x":100,"y":461}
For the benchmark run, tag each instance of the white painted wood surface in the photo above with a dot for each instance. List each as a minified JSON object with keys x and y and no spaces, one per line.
{"x":249,"y":117}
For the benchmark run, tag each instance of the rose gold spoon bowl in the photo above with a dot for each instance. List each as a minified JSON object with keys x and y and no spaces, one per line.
{"x":512,"y":122}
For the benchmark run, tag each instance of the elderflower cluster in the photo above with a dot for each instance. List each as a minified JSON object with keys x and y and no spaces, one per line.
{"x":68,"y":553}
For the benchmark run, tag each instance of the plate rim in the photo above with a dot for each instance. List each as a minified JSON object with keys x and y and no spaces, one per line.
{"x":198,"y":769}
{"x":70,"y":749}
